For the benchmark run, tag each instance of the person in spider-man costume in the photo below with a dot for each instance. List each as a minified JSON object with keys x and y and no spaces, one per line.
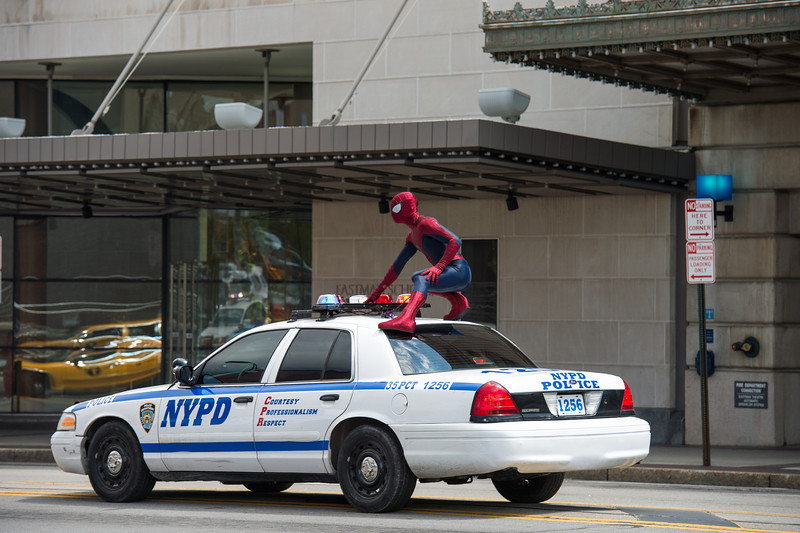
{"x":449,"y":274}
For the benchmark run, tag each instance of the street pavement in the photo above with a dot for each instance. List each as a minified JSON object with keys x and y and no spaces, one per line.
{"x":735,"y":467}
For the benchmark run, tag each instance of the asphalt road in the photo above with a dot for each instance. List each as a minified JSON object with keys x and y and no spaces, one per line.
{"x":35,"y":497}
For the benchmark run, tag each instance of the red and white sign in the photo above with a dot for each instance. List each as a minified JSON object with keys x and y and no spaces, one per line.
{"x":700,"y":267}
{"x":699,"y":219}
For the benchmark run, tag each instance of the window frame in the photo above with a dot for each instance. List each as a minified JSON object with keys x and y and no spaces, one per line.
{"x":277,"y":350}
{"x":274,"y":379}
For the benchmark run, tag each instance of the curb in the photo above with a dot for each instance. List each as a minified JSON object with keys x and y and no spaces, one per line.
{"x":26,"y":455}
{"x":693,"y":476}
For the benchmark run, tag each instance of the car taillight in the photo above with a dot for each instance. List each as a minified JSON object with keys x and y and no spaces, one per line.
{"x":627,"y":402}
{"x":493,"y":400}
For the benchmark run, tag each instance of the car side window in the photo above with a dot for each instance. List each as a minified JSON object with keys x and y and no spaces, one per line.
{"x":317,"y":354}
{"x":244,"y":361}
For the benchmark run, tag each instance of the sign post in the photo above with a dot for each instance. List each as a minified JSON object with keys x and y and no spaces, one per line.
{"x":701,"y":269}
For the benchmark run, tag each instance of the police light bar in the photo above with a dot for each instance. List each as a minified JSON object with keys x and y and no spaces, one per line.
{"x":329,"y":301}
{"x":404,"y":298}
{"x":330,"y":305}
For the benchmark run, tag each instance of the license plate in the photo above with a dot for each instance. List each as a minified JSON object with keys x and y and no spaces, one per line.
{"x":571,"y":405}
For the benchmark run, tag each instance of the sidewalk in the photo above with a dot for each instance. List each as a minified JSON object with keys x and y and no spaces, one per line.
{"x":733,"y":467}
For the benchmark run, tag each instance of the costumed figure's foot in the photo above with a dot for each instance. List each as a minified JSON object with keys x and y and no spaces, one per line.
{"x":459,"y":304}
{"x":406,"y":321}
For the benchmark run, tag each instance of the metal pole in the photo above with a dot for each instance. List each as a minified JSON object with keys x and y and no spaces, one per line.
{"x":337,"y":115}
{"x":171,"y":315}
{"x":89,"y":127}
{"x":266,"y":53}
{"x":701,"y":305}
{"x":51,"y":69}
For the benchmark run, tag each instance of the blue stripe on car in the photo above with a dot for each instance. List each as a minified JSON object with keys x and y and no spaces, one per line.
{"x":244,"y":446}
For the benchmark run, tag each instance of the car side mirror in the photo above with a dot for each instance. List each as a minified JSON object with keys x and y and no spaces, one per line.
{"x":185,"y":375}
{"x":182,"y":371}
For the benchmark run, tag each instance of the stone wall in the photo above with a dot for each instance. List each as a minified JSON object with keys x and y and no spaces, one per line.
{"x":431,"y":68}
{"x":757,"y":292}
{"x":584,"y":283}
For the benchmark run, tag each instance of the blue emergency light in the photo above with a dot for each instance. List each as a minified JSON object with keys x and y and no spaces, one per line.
{"x":330,"y":301}
{"x":718,"y":187}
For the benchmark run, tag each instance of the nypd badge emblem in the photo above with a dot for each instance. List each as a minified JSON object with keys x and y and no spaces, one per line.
{"x":146,"y":414}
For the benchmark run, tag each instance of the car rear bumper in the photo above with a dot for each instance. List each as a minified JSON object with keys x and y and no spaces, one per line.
{"x":66,"y":448}
{"x":448,"y":450}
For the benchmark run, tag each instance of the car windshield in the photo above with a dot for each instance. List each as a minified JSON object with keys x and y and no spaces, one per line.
{"x":443,"y":347}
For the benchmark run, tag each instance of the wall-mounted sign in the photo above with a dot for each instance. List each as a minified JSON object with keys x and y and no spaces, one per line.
{"x":750,"y":394}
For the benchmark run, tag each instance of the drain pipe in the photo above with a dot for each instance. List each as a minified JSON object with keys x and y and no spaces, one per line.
{"x":338,"y":114}
{"x":88,"y":129}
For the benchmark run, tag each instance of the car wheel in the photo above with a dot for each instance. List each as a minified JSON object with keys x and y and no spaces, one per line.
{"x":116,"y":467}
{"x":529,"y":489}
{"x":372,"y":471}
{"x":267,"y":487}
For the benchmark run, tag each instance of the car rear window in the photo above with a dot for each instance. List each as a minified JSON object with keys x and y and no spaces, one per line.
{"x":443,"y":347}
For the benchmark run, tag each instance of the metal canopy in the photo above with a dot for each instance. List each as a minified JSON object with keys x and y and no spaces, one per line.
{"x":710,"y":51}
{"x":158,"y":173}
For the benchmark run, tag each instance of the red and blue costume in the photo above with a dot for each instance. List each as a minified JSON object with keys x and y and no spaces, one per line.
{"x":449,"y":274}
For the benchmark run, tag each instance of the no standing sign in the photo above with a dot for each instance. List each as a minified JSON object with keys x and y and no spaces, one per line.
{"x":700,"y":257}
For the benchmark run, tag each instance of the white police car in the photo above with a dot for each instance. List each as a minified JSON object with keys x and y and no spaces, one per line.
{"x":336,"y":399}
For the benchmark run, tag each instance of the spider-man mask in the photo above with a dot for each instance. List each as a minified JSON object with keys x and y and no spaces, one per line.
{"x":404,"y":208}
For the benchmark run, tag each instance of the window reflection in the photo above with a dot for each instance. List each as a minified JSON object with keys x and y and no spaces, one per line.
{"x":79,"y":339}
{"x":190,"y":105}
{"x":254,"y":268}
{"x":101,"y":358}
{"x":94,"y":308}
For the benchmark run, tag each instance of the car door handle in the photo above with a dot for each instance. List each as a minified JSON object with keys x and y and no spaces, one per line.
{"x":243,"y":399}
{"x":329,"y":397}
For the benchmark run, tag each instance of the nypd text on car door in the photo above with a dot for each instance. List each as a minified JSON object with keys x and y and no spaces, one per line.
{"x":208,"y":426}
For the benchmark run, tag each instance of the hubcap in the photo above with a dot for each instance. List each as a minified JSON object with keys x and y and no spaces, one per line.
{"x":114,"y":462}
{"x":369,"y":469}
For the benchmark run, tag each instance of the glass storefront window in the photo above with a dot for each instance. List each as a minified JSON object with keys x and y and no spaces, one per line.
{"x":87,"y":309}
{"x":80,"y":339}
{"x":252,"y":268}
{"x":94,"y":248}
{"x":83,"y":311}
{"x":6,"y":311}
{"x":32,"y":106}
{"x":190,"y":105}
{"x":147,"y":106}
{"x":139,"y":107}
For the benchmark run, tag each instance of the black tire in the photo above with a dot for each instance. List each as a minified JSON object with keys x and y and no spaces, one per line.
{"x":267,"y":487}
{"x":372,"y":471}
{"x":116,"y":467}
{"x":529,"y":489}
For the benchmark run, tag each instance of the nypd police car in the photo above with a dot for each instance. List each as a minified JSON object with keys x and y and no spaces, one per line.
{"x":333,"y":398}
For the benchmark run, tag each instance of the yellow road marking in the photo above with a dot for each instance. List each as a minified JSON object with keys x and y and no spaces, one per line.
{"x":440,"y":512}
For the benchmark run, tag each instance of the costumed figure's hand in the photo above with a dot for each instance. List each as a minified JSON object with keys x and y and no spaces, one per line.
{"x":372,"y":298}
{"x":388,"y":279}
{"x":432,"y":274}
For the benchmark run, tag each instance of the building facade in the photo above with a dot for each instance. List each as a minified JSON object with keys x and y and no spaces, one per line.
{"x":190,"y":223}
